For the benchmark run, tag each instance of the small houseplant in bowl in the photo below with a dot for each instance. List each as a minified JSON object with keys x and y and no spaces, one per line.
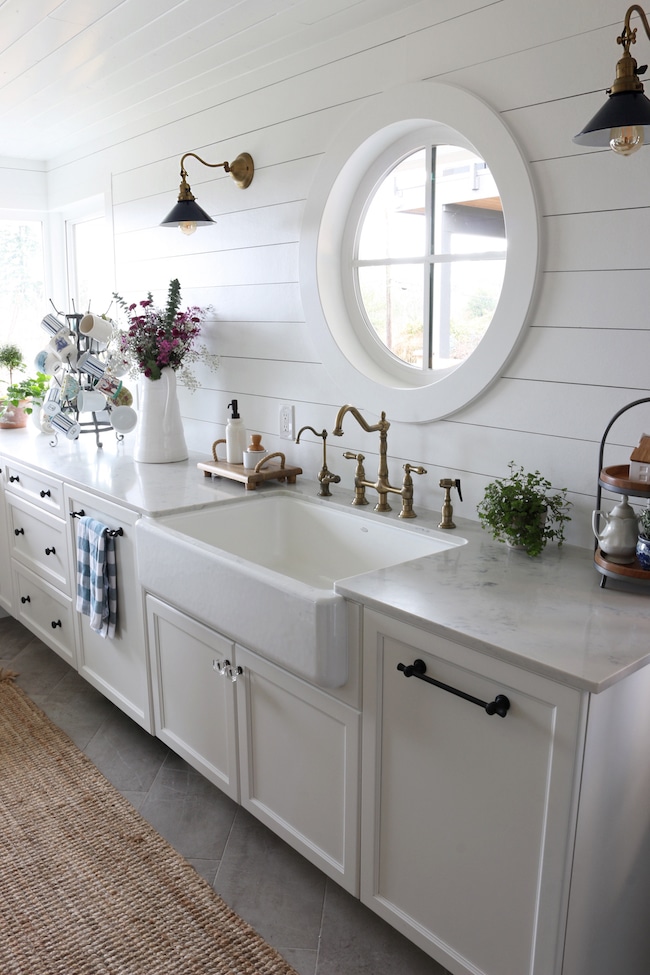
{"x":643,"y":543}
{"x":523,"y":511}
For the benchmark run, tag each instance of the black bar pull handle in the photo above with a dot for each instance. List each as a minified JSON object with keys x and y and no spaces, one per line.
{"x":500,"y":705}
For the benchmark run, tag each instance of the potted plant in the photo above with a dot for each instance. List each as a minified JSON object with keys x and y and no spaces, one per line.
{"x":521,"y":510}
{"x":643,"y":543}
{"x":11,"y":358}
{"x":20,"y":399}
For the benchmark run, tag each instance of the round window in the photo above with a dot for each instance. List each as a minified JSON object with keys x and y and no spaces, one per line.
{"x":419,"y":252}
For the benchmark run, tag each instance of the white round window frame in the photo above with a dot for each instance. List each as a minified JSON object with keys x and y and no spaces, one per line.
{"x":385,"y":121}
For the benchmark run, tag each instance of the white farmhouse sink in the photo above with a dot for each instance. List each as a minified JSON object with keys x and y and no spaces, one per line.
{"x":262,"y":571}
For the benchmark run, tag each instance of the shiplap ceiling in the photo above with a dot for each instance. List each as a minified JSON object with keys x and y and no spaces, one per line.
{"x":72,"y":71}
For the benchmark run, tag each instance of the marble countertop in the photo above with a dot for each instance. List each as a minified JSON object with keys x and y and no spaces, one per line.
{"x":549,"y":614}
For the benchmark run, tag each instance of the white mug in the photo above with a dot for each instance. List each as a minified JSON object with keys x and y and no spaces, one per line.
{"x":52,"y":401}
{"x":123,"y":419}
{"x":96,"y":328}
{"x":90,"y":401}
{"x":116,"y":364}
{"x":91,"y":364}
{"x":52,"y":325}
{"x":63,"y":344}
{"x":65,"y":424}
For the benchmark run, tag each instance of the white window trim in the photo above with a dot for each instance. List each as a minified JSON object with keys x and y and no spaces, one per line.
{"x":382,"y":122}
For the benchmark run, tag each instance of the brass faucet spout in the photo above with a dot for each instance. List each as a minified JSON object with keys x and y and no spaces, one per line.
{"x":381,"y":485}
{"x":380,"y":427}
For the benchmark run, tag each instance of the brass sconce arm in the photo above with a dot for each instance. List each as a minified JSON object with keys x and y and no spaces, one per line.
{"x":187,"y":214}
{"x":623,"y":123}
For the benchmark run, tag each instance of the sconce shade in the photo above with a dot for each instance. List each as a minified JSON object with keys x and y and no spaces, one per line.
{"x":622,"y":109}
{"x":186,"y":212}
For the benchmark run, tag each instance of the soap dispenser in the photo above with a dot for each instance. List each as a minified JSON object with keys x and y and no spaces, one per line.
{"x":235,"y":436}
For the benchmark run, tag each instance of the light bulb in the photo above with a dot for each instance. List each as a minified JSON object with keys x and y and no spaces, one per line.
{"x":187,"y":226}
{"x":626,"y":139}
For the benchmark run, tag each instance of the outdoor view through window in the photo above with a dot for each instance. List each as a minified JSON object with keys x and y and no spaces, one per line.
{"x":431,"y":257}
{"x":22,"y":288}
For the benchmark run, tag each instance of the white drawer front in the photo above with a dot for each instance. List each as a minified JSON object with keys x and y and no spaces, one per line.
{"x":46,"y":612}
{"x":40,"y":542}
{"x":41,"y":489}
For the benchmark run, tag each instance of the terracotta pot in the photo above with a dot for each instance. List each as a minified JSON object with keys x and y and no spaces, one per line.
{"x":13,"y":416}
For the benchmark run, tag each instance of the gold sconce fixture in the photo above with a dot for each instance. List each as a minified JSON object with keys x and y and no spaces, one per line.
{"x":623,"y":123}
{"x":187,"y":214}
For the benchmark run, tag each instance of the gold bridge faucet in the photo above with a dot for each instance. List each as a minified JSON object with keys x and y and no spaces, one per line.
{"x":382,"y":485}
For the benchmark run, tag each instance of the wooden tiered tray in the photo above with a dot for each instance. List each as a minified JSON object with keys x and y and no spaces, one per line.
{"x":617,"y":479}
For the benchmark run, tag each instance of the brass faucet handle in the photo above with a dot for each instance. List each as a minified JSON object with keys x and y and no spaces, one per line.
{"x":359,"y":477}
{"x":407,"y":490}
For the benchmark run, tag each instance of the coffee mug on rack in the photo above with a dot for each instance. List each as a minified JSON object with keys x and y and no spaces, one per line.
{"x":52,"y":325}
{"x":91,"y":365}
{"x":117,"y":364}
{"x":123,"y":419}
{"x":109,"y":386}
{"x":46,"y":362}
{"x":52,"y":401}
{"x":63,"y":344}
{"x":96,"y":328}
{"x":69,"y":387}
{"x":65,"y":424}
{"x":90,"y":401}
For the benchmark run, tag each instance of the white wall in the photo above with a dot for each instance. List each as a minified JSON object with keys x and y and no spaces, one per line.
{"x":544,"y":67}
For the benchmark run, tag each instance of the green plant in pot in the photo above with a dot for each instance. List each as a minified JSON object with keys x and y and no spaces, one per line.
{"x":523,"y":511}
{"x":20,"y":399}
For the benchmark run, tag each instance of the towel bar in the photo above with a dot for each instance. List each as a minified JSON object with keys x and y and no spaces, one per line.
{"x":113,"y":532}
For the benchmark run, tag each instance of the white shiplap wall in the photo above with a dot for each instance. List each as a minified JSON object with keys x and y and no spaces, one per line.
{"x":544,"y":67}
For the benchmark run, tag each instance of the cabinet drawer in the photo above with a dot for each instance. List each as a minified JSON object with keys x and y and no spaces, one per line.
{"x":45,"y":611}
{"x":40,"y":542}
{"x":41,"y":489}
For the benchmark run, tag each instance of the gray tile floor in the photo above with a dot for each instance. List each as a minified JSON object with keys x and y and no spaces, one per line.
{"x":318,"y":927}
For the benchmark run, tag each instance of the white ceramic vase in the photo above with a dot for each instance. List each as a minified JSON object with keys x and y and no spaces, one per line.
{"x":159,"y":437}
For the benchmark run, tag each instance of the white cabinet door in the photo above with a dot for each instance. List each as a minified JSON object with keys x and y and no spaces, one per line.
{"x":468,"y":819}
{"x":299,"y":760}
{"x":118,"y":667}
{"x":194,"y":706}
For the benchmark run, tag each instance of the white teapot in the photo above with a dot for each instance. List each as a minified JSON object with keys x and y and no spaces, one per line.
{"x":618,"y":538}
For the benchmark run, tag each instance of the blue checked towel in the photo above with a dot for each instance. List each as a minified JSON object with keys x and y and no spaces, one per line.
{"x":96,"y":576}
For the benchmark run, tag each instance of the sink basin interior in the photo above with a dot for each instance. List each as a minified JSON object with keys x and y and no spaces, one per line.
{"x":309,"y":541}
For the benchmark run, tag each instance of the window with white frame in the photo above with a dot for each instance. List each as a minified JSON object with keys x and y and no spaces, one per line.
{"x":419,"y":252}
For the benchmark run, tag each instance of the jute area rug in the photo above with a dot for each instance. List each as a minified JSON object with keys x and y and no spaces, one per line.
{"x":87,"y":886}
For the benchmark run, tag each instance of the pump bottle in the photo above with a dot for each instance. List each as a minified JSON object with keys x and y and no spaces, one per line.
{"x":235,"y":436}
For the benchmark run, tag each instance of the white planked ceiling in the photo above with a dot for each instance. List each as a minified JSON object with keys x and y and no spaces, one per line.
{"x":73,"y":71}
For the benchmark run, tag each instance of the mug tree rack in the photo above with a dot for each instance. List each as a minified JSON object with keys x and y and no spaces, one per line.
{"x":84,"y":343}
{"x":616,"y":479}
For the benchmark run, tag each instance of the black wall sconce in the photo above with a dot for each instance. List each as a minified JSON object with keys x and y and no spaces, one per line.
{"x":623,"y":123}
{"x":187,"y":214}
